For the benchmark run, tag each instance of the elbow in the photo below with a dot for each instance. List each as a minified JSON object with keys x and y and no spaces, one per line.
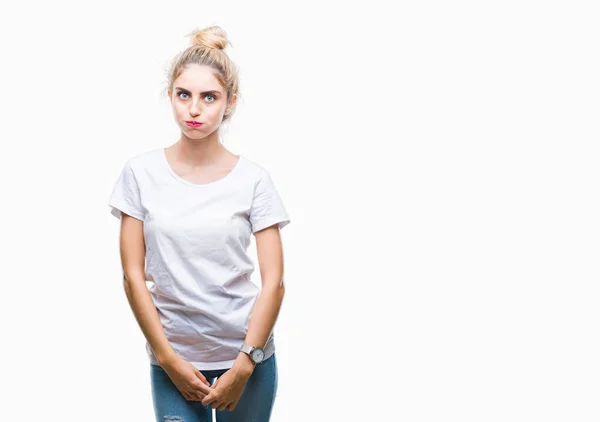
{"x":277,"y":291}
{"x":129,"y":283}
{"x":133,"y":275}
{"x":127,"y":286}
{"x":281,"y":286}
{"x":280,"y":291}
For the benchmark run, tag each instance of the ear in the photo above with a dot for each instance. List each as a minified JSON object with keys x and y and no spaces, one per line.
{"x":231,"y":103}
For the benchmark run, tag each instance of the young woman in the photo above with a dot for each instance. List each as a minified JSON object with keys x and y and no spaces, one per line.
{"x":187,"y":212}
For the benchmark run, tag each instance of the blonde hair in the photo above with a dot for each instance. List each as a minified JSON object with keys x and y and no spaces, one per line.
{"x":206,"y":48}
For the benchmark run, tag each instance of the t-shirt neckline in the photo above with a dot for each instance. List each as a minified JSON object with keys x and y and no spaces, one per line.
{"x":163,"y":155}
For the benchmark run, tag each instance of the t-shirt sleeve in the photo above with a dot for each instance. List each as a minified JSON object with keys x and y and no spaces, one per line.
{"x":125,"y":196}
{"x":267,"y":208}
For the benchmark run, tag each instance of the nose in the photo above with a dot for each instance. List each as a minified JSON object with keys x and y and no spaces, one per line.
{"x":194,"y":111}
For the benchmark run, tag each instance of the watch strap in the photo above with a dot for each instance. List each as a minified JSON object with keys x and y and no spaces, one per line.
{"x":246,"y":348}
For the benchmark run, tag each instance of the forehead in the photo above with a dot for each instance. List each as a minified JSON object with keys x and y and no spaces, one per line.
{"x":198,"y":78}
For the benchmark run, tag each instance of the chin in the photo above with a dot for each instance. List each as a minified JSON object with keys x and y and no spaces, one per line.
{"x":190,"y":130}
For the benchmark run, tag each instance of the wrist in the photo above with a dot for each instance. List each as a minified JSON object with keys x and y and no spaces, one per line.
{"x":166,"y":359}
{"x":244,"y":363}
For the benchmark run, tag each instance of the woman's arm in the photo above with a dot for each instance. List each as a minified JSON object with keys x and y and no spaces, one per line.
{"x":267,"y":306}
{"x":133,"y":252}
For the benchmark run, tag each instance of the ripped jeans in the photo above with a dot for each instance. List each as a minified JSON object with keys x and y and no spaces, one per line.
{"x":255,"y":404}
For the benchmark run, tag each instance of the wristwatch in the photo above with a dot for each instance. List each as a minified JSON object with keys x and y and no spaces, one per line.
{"x":257,"y":354}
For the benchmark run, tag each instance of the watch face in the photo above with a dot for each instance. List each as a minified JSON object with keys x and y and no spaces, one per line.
{"x":258,"y":355}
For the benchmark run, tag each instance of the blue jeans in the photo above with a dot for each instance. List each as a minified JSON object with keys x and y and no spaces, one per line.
{"x":255,"y":404}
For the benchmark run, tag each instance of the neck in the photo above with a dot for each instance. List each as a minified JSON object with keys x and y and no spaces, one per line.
{"x":199,"y":152}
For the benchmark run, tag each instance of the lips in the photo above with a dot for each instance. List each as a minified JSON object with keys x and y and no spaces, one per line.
{"x":193,"y":124}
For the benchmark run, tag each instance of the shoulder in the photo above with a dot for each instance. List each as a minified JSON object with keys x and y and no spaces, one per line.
{"x":253,"y":170}
{"x":145,"y":160}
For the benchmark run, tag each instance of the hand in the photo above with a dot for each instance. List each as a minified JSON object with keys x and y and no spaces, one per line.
{"x":227,"y":389}
{"x":187,"y":378}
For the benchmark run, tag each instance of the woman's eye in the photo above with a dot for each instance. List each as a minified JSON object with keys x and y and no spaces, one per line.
{"x":212,"y":97}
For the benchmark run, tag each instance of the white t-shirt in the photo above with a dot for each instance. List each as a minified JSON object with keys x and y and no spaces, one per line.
{"x":196,"y":239}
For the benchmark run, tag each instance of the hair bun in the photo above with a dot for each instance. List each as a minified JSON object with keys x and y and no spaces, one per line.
{"x":211,"y":37}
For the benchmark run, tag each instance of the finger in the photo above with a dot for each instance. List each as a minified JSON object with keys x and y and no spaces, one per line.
{"x":222,"y":407}
{"x":189,"y":395}
{"x":216,"y":404}
{"x":210,"y":394}
{"x":202,"y":378}
{"x":203,"y":388}
{"x":208,"y":399}
{"x":196,"y":395}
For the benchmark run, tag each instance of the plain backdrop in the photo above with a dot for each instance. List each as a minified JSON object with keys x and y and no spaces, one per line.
{"x":439,"y":162}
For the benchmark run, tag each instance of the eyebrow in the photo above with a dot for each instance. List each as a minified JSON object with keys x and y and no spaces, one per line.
{"x":205,"y":92}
